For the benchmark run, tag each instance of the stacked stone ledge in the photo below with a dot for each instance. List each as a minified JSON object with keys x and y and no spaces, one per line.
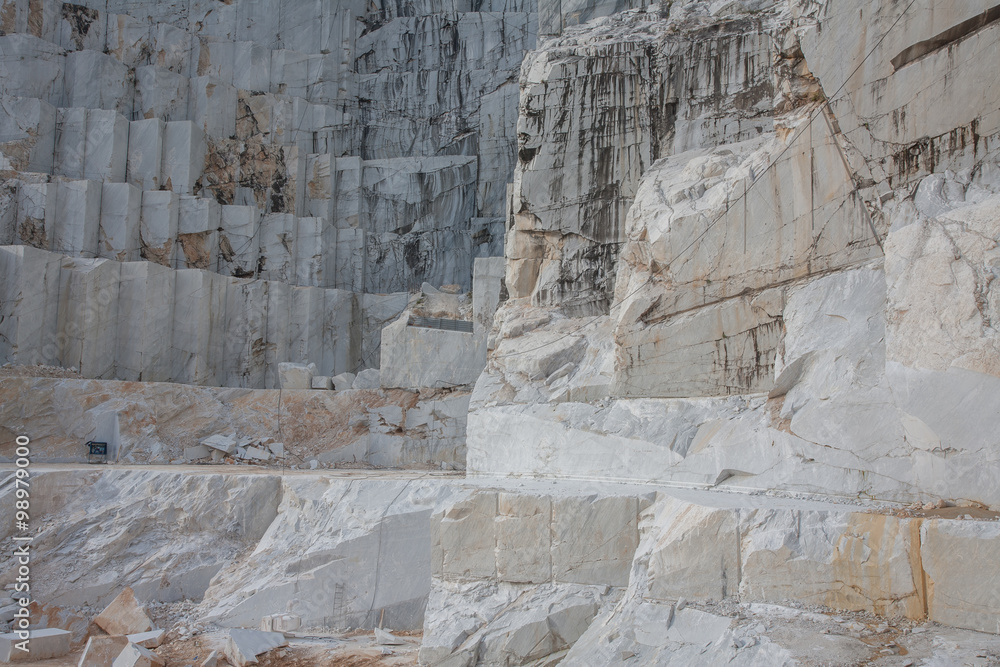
{"x":229,"y":140}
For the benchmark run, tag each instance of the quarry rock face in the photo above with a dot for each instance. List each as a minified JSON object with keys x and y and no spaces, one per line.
{"x":731,"y":394}
{"x":322,"y":155}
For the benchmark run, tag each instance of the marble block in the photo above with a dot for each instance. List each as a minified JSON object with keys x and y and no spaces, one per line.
{"x":78,"y":218}
{"x":145,"y":323}
{"x":183,"y":156}
{"x":158,"y":226}
{"x":145,"y":153}
{"x":88,"y":316}
{"x":121,"y":208}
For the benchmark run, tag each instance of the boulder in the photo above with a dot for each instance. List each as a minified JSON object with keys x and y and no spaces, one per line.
{"x":243,"y":646}
{"x":42,"y":644}
{"x":368,"y":379}
{"x":137,"y":656}
{"x":296,"y":376}
{"x":150,"y":639}
{"x":223,"y":443}
{"x":343,"y":382}
{"x":124,"y":616}
{"x":102,"y":651}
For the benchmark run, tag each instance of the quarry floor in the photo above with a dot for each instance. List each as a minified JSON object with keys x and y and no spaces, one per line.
{"x":815,"y":635}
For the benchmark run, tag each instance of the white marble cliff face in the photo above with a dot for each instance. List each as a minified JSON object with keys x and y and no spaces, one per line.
{"x":780,"y":318}
{"x":599,"y":105}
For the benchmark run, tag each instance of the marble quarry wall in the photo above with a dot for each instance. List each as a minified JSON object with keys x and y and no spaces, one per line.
{"x":741,"y":394}
{"x":751,"y":250}
{"x":360,"y":150}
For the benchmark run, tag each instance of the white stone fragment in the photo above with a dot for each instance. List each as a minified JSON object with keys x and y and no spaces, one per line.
{"x":222,"y":443}
{"x":343,"y":382}
{"x":43,"y":644}
{"x":243,"y":646}
{"x":150,"y":639}
{"x":135,"y":655}
{"x":367,"y":379}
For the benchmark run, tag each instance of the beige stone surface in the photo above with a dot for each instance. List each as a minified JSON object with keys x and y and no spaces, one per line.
{"x":102,"y":651}
{"x":593,"y":541}
{"x":124,"y":616}
{"x":962,"y":578}
{"x":524,"y":538}
{"x":465,"y":539}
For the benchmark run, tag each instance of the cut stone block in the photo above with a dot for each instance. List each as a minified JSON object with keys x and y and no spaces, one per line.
{"x":88,"y":316}
{"x":212,"y":104}
{"x":158,"y":223}
{"x":95,"y":80}
{"x":145,"y":322}
{"x":78,"y":218}
{"x":524,"y":538}
{"x":593,"y":541}
{"x":961,"y":596}
{"x":198,"y":341}
{"x":296,"y":376}
{"x":33,"y":67}
{"x":243,"y":646}
{"x":222,"y":443}
{"x":27,"y":134}
{"x":35,"y":217}
{"x":350,"y":259}
{"x":239,"y":247}
{"x":195,"y":453}
{"x":464,"y":546}
{"x":106,"y":149}
{"x":309,"y":256}
{"x":246,"y":331}
{"x":145,"y":153}
{"x":251,"y":67}
{"x":121,"y":210}
{"x":257,"y":454}
{"x":278,"y":331}
{"x":198,"y":233}
{"x":423,"y":357}
{"x":102,"y":651}
{"x":41,"y":645}
{"x":212,"y":660}
{"x":343,"y":382}
{"x":124,"y":616}
{"x":183,"y":156}
{"x":29,"y":305}
{"x":277,"y":246}
{"x":160,"y":93}
{"x":305,"y":332}
{"x":367,"y":379}
{"x":137,"y":656}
